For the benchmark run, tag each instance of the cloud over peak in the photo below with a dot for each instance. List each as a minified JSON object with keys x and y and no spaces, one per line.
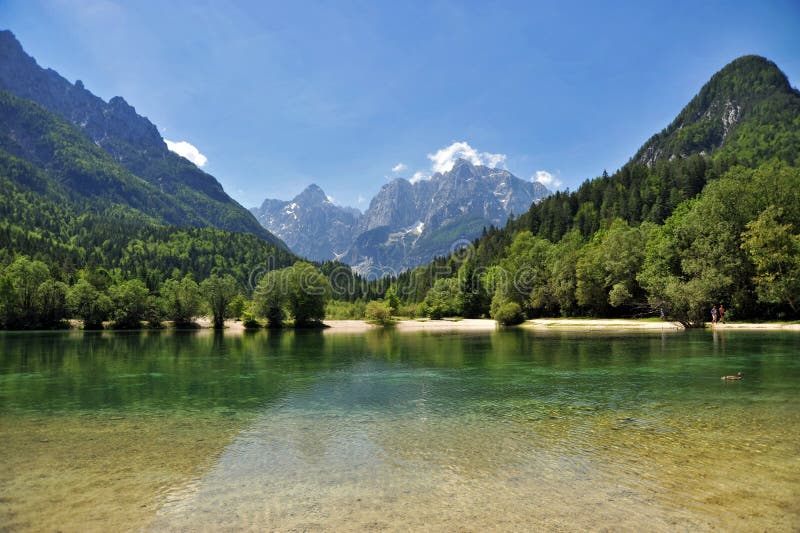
{"x":419,"y":176}
{"x":187,"y":150}
{"x":546,"y":179}
{"x":444,"y":159}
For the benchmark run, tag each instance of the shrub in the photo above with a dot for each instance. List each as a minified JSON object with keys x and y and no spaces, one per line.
{"x":435,"y":312}
{"x":219,"y":292}
{"x":87,"y":303}
{"x":509,"y":314}
{"x":236,"y":307}
{"x":442,"y":299}
{"x":249,"y":321}
{"x":379,"y":312}
{"x":411,"y":310}
{"x":339,"y":310}
{"x":300,"y":289}
{"x":181,"y":300}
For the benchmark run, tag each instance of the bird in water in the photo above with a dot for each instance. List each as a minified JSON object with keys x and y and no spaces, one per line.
{"x":737,"y":376}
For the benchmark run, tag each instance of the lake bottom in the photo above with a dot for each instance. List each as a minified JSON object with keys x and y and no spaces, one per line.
{"x":486,"y":434}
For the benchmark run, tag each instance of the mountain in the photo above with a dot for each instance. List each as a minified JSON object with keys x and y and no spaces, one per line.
{"x":188,"y":196}
{"x":746,"y":99}
{"x":407,"y":224}
{"x":746,"y":114}
{"x":310,"y":224}
{"x":68,"y":202}
{"x":465,"y":191}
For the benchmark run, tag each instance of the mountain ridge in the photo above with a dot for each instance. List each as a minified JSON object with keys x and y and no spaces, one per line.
{"x":406,"y":223}
{"x":131,"y":140}
{"x":310,"y":223}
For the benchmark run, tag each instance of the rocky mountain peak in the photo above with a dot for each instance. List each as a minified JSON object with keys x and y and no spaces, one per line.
{"x":311,"y":196}
{"x":100,"y":121}
{"x":714,"y":114}
{"x":462,"y":168}
{"x":119,"y":102}
{"x":312,"y":225}
{"x":9,"y":43}
{"x":406,"y":224}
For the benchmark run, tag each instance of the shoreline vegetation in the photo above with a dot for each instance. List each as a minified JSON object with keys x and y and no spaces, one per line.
{"x":456,"y":324}
{"x":296,"y":297}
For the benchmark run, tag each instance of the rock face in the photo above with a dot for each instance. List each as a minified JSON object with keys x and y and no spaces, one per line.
{"x":310,"y":224}
{"x":132,"y":141}
{"x":100,"y":121}
{"x":407,"y":224}
{"x":466,"y":190}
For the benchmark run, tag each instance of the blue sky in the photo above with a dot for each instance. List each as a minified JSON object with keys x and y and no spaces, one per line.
{"x":279,"y":95}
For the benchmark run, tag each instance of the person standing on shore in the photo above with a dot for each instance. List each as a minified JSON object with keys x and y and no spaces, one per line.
{"x":721,"y":314}
{"x":713,"y":315}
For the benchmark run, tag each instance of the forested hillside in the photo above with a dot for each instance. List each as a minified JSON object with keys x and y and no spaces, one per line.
{"x":706,"y":212}
{"x":99,"y":221}
{"x":69,"y":203}
{"x":111,"y":139}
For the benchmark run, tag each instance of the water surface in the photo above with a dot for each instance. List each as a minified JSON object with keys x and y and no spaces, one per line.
{"x":508,"y":430}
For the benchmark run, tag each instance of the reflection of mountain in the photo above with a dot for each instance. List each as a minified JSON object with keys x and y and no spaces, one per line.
{"x":407,"y":224}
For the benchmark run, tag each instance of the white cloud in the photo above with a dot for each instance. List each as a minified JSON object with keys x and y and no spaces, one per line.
{"x":419,"y":176}
{"x":187,"y":150}
{"x":444,"y":159}
{"x":361,"y":199}
{"x":331,"y":199}
{"x":546,"y":179}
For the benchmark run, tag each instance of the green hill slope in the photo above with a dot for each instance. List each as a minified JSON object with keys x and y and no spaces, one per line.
{"x":748,"y":109}
{"x":67,"y":202}
{"x":746,"y":114}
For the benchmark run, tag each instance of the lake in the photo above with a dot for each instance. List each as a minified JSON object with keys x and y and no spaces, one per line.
{"x":506,"y":430}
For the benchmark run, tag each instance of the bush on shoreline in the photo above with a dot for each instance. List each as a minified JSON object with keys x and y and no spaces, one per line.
{"x":379,"y":312}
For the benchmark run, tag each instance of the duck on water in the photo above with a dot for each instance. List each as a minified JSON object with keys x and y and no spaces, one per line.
{"x":737,"y":376}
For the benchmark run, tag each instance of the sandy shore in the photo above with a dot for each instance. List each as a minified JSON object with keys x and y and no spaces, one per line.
{"x":754,"y":325}
{"x":483,"y":324}
{"x":348,"y":326}
{"x":467,"y":324}
{"x":607,"y":323}
{"x":621,"y":323}
{"x":471,"y":324}
{"x":230,"y":325}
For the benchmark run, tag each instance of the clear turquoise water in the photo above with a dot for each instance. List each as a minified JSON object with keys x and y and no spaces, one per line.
{"x":509,"y":430}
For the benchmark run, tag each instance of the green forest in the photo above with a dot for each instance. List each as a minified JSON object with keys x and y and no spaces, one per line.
{"x":707,"y":212}
{"x":32,"y":298}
